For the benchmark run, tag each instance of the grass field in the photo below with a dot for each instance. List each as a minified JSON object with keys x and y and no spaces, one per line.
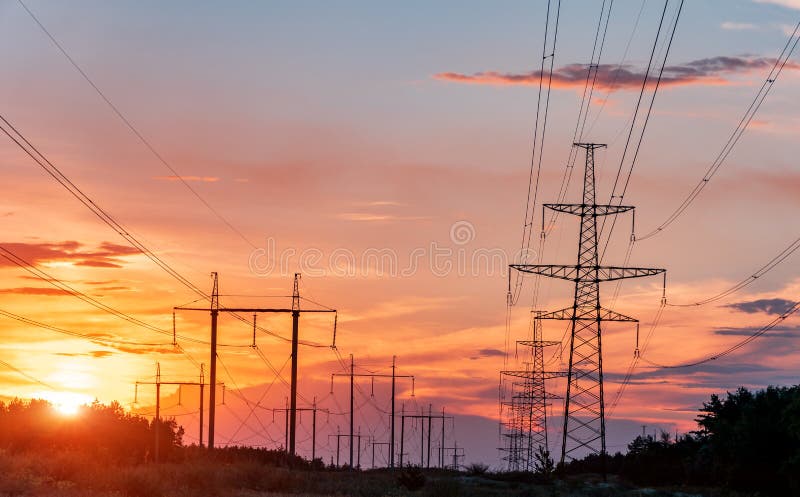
{"x":63,"y":473}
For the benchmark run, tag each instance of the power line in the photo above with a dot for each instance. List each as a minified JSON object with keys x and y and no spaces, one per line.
{"x":17,"y":137}
{"x":613,"y":85}
{"x":133,"y":129}
{"x":70,"y":290}
{"x":26,"y":375}
{"x":621,"y":196}
{"x":591,"y":78}
{"x":776,"y":69}
{"x":775,"y":261}
{"x":760,"y":332}
{"x":42,"y":275}
{"x":533,"y":186}
{"x":261,"y":399}
{"x":733,"y":139}
{"x":93,"y":338}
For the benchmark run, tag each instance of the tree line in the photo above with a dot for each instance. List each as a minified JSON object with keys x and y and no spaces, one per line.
{"x":745,"y":441}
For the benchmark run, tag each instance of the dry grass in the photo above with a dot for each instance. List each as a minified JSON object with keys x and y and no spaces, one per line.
{"x":69,"y":474}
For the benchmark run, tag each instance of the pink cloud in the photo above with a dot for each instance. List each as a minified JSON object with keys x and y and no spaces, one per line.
{"x":708,"y":72}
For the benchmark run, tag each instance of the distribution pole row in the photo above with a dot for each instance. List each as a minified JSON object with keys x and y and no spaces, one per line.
{"x":180,"y":384}
{"x":295,"y":311}
{"x":422,"y":417}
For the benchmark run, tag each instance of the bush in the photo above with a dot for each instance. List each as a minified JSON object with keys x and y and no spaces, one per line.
{"x":411,"y":478}
{"x":477,"y":469}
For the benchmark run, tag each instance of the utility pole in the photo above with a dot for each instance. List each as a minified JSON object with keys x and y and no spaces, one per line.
{"x":584,"y":405}
{"x":157,"y":420}
{"x":457,"y":453}
{"x":359,"y":447}
{"x":394,"y":376}
{"x":295,"y":311}
{"x":374,"y":443}
{"x":212,"y":394}
{"x":421,"y":417}
{"x":313,"y":410}
{"x":286,"y":430}
{"x":352,"y":409}
{"x":442,"y":442}
{"x":430,"y":412}
{"x":402,"y":431}
{"x":339,"y":436}
{"x":202,"y":391}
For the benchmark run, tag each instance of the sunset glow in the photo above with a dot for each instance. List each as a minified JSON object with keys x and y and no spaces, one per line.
{"x":66,"y":403}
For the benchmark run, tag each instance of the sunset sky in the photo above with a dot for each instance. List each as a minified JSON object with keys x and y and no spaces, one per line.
{"x":381,"y":149}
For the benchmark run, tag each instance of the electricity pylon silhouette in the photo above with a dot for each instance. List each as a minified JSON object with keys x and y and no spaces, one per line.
{"x":584,"y":407}
{"x":525,"y":423}
{"x":526,"y":413}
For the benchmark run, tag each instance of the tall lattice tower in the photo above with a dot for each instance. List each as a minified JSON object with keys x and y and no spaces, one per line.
{"x":584,"y":408}
{"x":524,"y":423}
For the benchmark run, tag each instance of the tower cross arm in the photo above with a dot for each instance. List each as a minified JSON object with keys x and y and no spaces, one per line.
{"x":583,"y":273}
{"x":569,"y":312}
{"x":529,"y":374}
{"x":584,"y":209}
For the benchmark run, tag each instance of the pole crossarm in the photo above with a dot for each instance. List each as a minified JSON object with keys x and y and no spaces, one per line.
{"x":604,"y":314}
{"x":579,"y":273}
{"x":194,"y":383}
{"x":589,"y":209}
{"x":352,"y":375}
{"x":257,"y":309}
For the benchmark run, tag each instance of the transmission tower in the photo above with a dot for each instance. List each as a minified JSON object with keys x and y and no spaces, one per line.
{"x":525,"y":421}
{"x":584,"y":408}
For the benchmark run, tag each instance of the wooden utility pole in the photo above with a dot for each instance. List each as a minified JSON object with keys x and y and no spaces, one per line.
{"x":295,"y":312}
{"x":339,"y":436}
{"x":158,"y":383}
{"x":313,"y":409}
{"x":394,"y":376}
{"x":422,"y":417}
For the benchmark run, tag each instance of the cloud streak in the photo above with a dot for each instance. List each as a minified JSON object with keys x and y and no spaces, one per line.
{"x":712,"y":71}
{"x":769,"y":306}
{"x":29,"y":290}
{"x":737,"y":26}
{"x":107,"y":255}
{"x":196,"y":179}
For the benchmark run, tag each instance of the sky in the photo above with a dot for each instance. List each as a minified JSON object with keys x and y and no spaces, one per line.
{"x":383,"y":150}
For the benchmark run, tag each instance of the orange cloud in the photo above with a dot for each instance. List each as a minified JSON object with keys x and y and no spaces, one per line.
{"x":107,"y":255}
{"x":200,"y":179}
{"x":32,"y":291}
{"x":709,"y":71}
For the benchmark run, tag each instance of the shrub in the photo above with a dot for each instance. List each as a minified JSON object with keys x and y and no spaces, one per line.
{"x":477,"y":469}
{"x":411,"y":478}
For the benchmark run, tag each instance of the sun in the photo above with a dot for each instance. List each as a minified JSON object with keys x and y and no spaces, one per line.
{"x":66,"y":403}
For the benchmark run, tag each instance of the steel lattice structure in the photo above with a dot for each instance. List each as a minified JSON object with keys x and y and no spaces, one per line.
{"x":525,"y":421}
{"x":584,"y":408}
